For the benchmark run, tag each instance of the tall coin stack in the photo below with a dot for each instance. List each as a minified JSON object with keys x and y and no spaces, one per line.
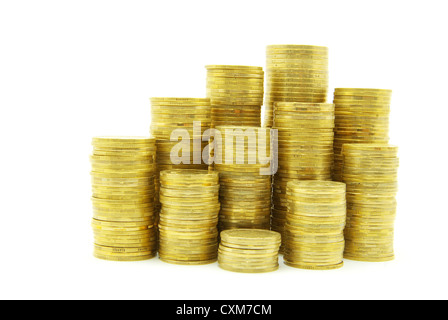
{"x":295,"y":73}
{"x":236,"y":94}
{"x":370,"y":173}
{"x":169,"y":114}
{"x":249,"y":250}
{"x":314,"y":231}
{"x":188,"y":232}
{"x":123,"y":198}
{"x":305,"y":150}
{"x":245,"y":192}
{"x":362,"y":116}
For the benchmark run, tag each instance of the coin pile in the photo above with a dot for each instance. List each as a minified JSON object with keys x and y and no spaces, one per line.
{"x":245,"y":180}
{"x":370,"y":172}
{"x":123,"y":198}
{"x":305,"y":149}
{"x":236,"y":94}
{"x":295,"y":73}
{"x":169,"y":114}
{"x":188,"y":231}
{"x":314,"y":230}
{"x":362,"y":116}
{"x":249,"y":250}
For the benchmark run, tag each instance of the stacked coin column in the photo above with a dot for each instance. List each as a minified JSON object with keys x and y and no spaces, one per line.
{"x":362,"y":116}
{"x":295,"y":73}
{"x":305,"y":150}
{"x":370,"y":172}
{"x":245,"y":180}
{"x":169,"y":114}
{"x":249,"y":250}
{"x":315,"y":221}
{"x":188,"y":232}
{"x":236,"y":94}
{"x":123,"y":198}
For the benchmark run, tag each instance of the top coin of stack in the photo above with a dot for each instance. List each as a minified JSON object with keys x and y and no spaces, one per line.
{"x":249,"y":250}
{"x":370,"y":172}
{"x":295,"y":73}
{"x":123,"y":198}
{"x":236,"y":94}
{"x":361,"y":116}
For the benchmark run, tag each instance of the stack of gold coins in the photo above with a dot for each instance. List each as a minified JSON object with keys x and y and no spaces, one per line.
{"x":305,"y":149}
{"x":243,"y":159}
{"x":236,"y":94}
{"x":168,"y":114}
{"x":362,"y":116}
{"x":123,"y":198}
{"x":295,"y":73}
{"x":314,"y":230}
{"x":188,"y":232}
{"x":370,"y":172}
{"x":249,"y":250}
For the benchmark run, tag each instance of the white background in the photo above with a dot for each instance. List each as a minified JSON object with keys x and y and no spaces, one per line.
{"x":70,"y":70}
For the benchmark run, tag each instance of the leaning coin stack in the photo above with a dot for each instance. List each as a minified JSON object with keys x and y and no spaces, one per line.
{"x":123,"y":198}
{"x":314,"y":230}
{"x":305,"y":149}
{"x":169,"y":114}
{"x":295,"y":73}
{"x":236,"y":94}
{"x":244,"y":159}
{"x":249,"y":250}
{"x":370,"y":172}
{"x":188,"y":231}
{"x":362,"y":116}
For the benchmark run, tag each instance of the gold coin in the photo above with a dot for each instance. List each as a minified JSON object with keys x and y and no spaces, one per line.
{"x":180,"y":262}
{"x":234,"y":74}
{"x":297,"y":47}
{"x":123,"y":142}
{"x":182,"y":101}
{"x":251,"y":236}
{"x":124,"y":258}
{"x":363,"y":91}
{"x":234,"y":67}
{"x":247,"y":270}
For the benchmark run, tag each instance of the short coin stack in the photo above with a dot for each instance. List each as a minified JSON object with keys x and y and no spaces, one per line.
{"x":236,"y":94}
{"x":362,"y":116}
{"x":314,"y":231}
{"x":249,"y":250}
{"x":188,"y":231}
{"x":295,"y":73}
{"x":123,"y":198}
{"x":245,"y":182}
{"x":169,"y":114}
{"x":370,"y":172}
{"x":305,"y":149}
